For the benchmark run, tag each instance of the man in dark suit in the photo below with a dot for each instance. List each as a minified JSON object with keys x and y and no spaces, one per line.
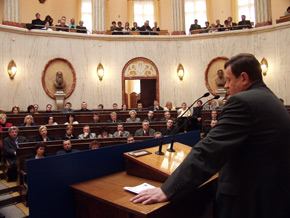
{"x":114,"y":118}
{"x":145,"y":130}
{"x":150,"y":116}
{"x":155,"y":106}
{"x":194,"y":26}
{"x":169,"y":129}
{"x":10,"y":146}
{"x":249,"y":147}
{"x":245,"y":24}
{"x":37,"y":21}
{"x":67,"y":148}
{"x":84,"y":107}
{"x":232,"y":24}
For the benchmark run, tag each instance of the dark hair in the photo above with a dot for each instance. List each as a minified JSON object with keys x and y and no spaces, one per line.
{"x":29,"y":108}
{"x":104,"y":129}
{"x":38,"y":145}
{"x":199,"y":101}
{"x":94,"y":143}
{"x":101,"y":106}
{"x":68,"y":103}
{"x":48,"y":119}
{"x":16,"y":107}
{"x":245,"y":63}
{"x":70,"y":115}
{"x":114,"y":22}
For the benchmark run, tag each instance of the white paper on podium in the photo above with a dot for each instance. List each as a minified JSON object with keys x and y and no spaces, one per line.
{"x":137,"y":189}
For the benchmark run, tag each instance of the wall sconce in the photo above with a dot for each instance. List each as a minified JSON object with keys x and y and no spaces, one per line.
{"x":12,"y":69}
{"x":264,"y":66}
{"x":100,"y":71}
{"x":180,"y":71}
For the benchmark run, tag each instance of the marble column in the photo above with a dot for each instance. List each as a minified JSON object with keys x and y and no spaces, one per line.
{"x":11,"y":11}
{"x":263,"y":12}
{"x":178,"y":19}
{"x":99,"y":16}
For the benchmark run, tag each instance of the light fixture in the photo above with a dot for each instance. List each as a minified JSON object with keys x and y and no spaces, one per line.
{"x":12,"y":69}
{"x":180,"y":71}
{"x":264,"y":66}
{"x":100,"y":71}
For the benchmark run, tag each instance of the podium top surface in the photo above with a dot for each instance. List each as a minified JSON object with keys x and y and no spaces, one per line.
{"x":163,"y":164}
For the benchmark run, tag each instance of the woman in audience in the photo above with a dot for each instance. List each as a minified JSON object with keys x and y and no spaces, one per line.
{"x":3,"y":122}
{"x":169,"y":107}
{"x":15,"y":109}
{"x":100,"y":107}
{"x":94,"y":145}
{"x":28,"y":121}
{"x":50,"y":121}
{"x":49,"y":19}
{"x":68,"y":133}
{"x":182,"y":118}
{"x":30,"y":109}
{"x":124,"y":107}
{"x":127,"y":28}
{"x":43,"y":135}
{"x":133,"y":118}
{"x":71,"y":119}
{"x":105,"y":133}
{"x":40,"y":150}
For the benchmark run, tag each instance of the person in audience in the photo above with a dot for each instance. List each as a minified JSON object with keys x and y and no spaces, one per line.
{"x":223,"y":104}
{"x":3,"y":122}
{"x":124,"y":107}
{"x":155,"y":28}
{"x":46,"y":27}
{"x":28,"y":121}
{"x":87,"y":134}
{"x":62,"y":26}
{"x":227,"y":25}
{"x":67,"y":148}
{"x":49,"y":19}
{"x":194,"y":26}
{"x":96,"y":118}
{"x":155,"y":106}
{"x":64,"y":19}
{"x":94,"y":145}
{"x":43,"y":137}
{"x":15,"y":109}
{"x":169,"y":107}
{"x":100,"y":107}
{"x":81,"y":28}
{"x":209,"y":105}
{"x":212,"y":28}
{"x":10,"y":146}
{"x":157,"y":135}
{"x":120,"y":131}
{"x":119,"y":27}
{"x":114,"y":118}
{"x":169,"y":129}
{"x":72,"y":23}
{"x":36,"y":107}
{"x":150,"y":116}
{"x":207,"y":129}
{"x":183,"y":117}
{"x":133,"y":118}
{"x":231,"y":23}
{"x":115,"y":106}
{"x":140,"y":106}
{"x":71,"y":119}
{"x":287,"y":12}
{"x":167,"y":116}
{"x":68,"y":133}
{"x":39,"y":150}
{"x":37,"y":22}
{"x":135,"y":27}
{"x":197,"y":112}
{"x":218,"y":26}
{"x":67,"y":108}
{"x":84,"y":107}
{"x":130,"y":139}
{"x":214,"y":115}
{"x":50,"y":121}
{"x":113,"y":27}
{"x":48,"y":108}
{"x":145,"y":130}
{"x":105,"y":133}
{"x":145,"y":27}
{"x":127,"y":27}
{"x":30,"y":109}
{"x":245,"y":24}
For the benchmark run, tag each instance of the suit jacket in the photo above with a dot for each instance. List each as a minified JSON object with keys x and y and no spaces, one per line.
{"x":151,"y":120}
{"x":194,"y":27}
{"x":90,"y":136}
{"x":40,"y":139}
{"x":139,"y":132}
{"x":67,"y":152}
{"x":250,"y":147}
{"x":169,"y":132}
{"x":10,"y":147}
{"x":247,"y":24}
{"x":129,"y":120}
{"x":152,"y":108}
{"x":111,"y":121}
{"x":125,"y":134}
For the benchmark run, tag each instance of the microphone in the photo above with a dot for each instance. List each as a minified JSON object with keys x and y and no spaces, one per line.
{"x":177,"y":129}
{"x":159,"y":152}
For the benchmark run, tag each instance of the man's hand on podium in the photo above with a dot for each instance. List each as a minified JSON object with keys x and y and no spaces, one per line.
{"x":150,"y":196}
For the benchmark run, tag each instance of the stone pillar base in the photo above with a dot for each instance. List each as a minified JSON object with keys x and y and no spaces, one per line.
{"x":222,"y":93}
{"x":59,"y":98}
{"x":264,"y":24}
{"x":178,"y":33}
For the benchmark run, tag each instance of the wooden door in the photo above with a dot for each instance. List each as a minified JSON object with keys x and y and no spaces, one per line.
{"x":148,"y":92}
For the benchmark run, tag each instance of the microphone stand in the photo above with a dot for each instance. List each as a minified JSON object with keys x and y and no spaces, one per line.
{"x":170,"y":149}
{"x":159,"y":152}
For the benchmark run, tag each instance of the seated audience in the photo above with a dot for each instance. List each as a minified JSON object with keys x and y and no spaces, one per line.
{"x":214,"y":115}
{"x":81,"y":28}
{"x":72,"y":24}
{"x":206,"y":28}
{"x":231,"y":23}
{"x":94,"y":145}
{"x":105,"y":133}
{"x":62,"y":26}
{"x":120,"y":131}
{"x":209,"y":105}
{"x":207,"y":129}
{"x":287,"y":12}
{"x":119,"y":27}
{"x":36,"y":107}
{"x":100,"y":107}
{"x":145,"y":130}
{"x":183,"y":117}
{"x":96,"y":119}
{"x":169,"y":129}
{"x":48,"y":108}
{"x":68,"y":133}
{"x":50,"y":121}
{"x":113,"y":27}
{"x":67,"y":108}
{"x":227,"y":25}
{"x":67,"y":148}
{"x":30,"y":109}
{"x":10,"y":145}
{"x":155,"y":28}
{"x":115,"y":106}
{"x":135,"y":27}
{"x":127,"y":27}
{"x":146,"y":28}
{"x":130,"y":139}
{"x":63,"y":18}
{"x":197,"y":112}
{"x":218,"y":26}
{"x":212,"y":28}
{"x":140,"y":106}
{"x":150,"y":116}
{"x":43,"y":137}
{"x":133,"y":118}
{"x":224,"y":101}
{"x":194,"y":26}
{"x":245,"y":24}
{"x":157,"y":135}
{"x":15,"y":110}
{"x":87,"y":134}
{"x":37,"y":22}
{"x":169,"y":107}
{"x":124,"y":107}
{"x":28,"y":121}
{"x":71,"y":119}
{"x":167,"y":116}
{"x":114,"y":119}
{"x":84,"y":107}
{"x":39,"y":150}
{"x":49,"y":19}
{"x":155,"y":106}
{"x":3,"y":122}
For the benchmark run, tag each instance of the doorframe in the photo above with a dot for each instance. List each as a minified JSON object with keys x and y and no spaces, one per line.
{"x":139,"y":77}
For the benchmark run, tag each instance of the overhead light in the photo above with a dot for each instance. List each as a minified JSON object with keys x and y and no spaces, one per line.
{"x":180,"y":71}
{"x":264,"y":66}
{"x":12,"y":69}
{"x":100,"y":71}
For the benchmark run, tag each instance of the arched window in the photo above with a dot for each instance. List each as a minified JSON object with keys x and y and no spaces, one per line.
{"x":87,"y":14}
{"x":247,"y":7}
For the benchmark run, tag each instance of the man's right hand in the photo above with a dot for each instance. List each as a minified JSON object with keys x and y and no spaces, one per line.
{"x":149,"y":196}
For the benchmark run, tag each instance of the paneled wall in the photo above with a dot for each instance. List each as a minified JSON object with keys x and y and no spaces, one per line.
{"x":31,"y":50}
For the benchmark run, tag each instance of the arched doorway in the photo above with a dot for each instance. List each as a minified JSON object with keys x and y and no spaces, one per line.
{"x":140,"y":81}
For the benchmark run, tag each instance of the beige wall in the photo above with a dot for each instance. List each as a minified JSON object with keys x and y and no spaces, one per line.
{"x":278,"y":8}
{"x":1,"y":10}
{"x":220,"y":10}
{"x":165,"y":15}
{"x":117,"y":11}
